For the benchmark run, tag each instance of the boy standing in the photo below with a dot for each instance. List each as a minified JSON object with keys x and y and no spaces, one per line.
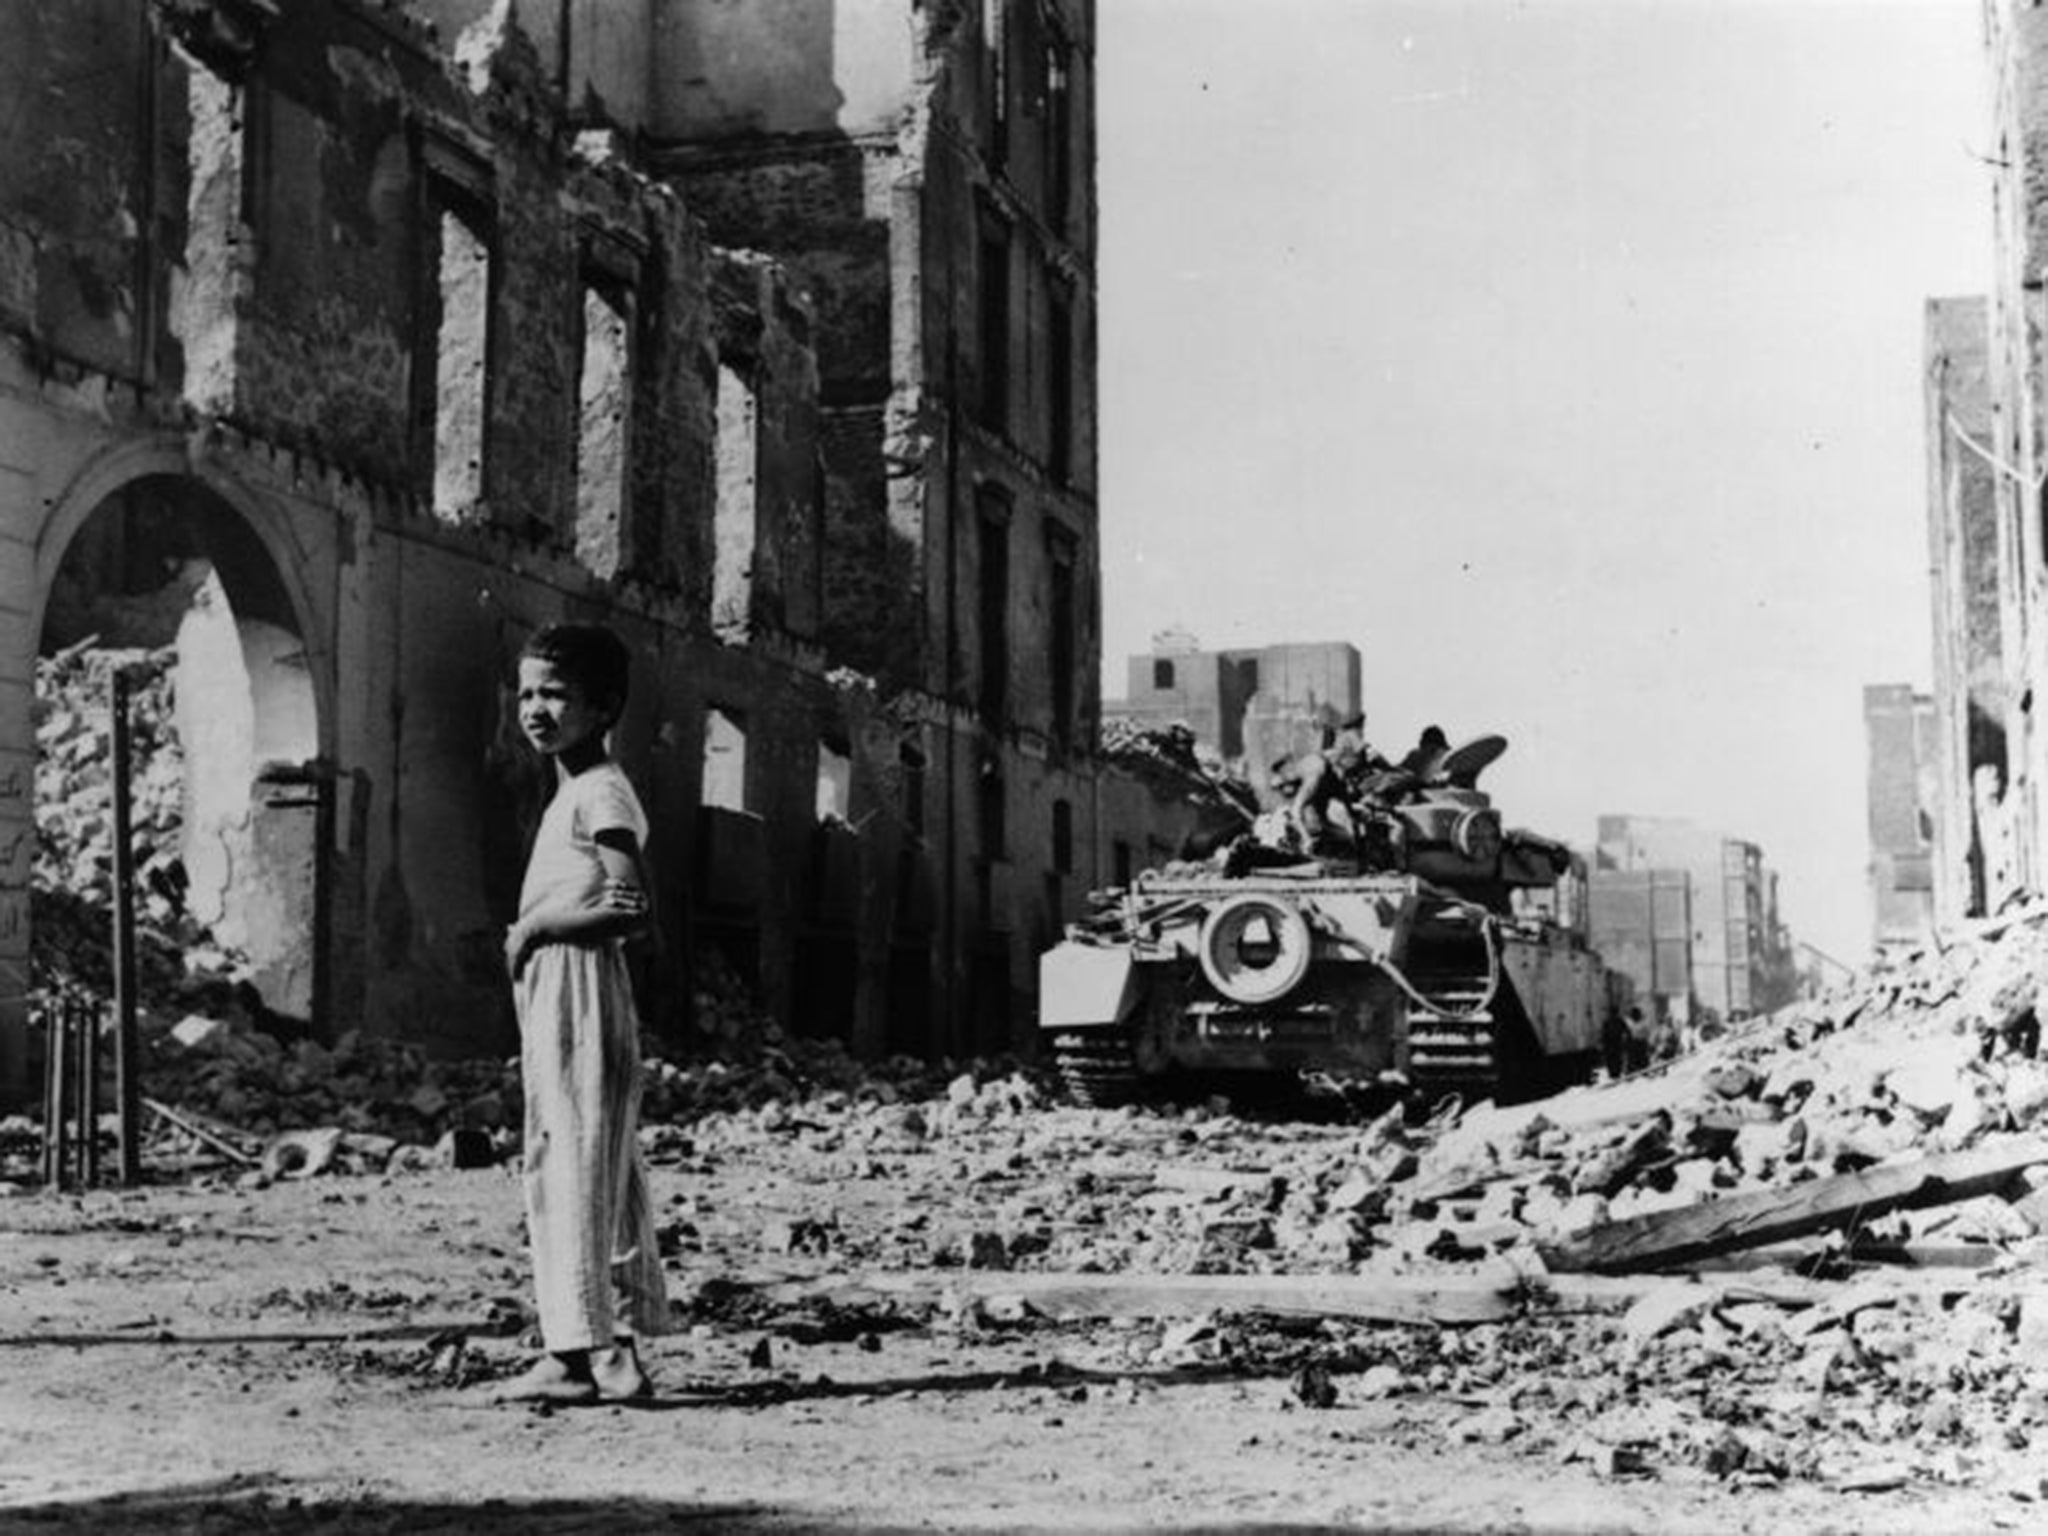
{"x":597,"y":1274}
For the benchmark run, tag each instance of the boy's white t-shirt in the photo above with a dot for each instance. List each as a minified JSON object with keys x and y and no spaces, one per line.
{"x":564,"y":864}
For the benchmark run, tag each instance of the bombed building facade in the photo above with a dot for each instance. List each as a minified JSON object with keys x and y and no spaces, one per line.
{"x":343,"y":344}
{"x":1987,"y":462}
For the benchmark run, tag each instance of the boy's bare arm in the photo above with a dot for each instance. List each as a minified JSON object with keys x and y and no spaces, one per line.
{"x":618,"y":909}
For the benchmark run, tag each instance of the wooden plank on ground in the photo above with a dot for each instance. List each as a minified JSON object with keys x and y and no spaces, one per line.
{"x":1455,"y":1299}
{"x":1673,"y":1239}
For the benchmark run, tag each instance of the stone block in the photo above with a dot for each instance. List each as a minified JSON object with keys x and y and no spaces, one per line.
{"x":196,"y":1032}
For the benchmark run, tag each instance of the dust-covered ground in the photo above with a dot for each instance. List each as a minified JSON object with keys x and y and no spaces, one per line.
{"x":309,"y":1354}
{"x":1795,"y":1280}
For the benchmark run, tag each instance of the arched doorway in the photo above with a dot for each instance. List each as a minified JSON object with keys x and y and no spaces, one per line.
{"x":166,"y":580}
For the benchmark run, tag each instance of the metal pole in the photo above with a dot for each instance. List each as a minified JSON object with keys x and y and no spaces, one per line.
{"x":57,"y":1128}
{"x":86,"y":1022}
{"x":81,"y":1053}
{"x":53,"y":1105}
{"x":127,"y":1056}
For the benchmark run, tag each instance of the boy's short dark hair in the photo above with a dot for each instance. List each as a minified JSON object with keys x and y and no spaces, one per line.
{"x":590,"y":654}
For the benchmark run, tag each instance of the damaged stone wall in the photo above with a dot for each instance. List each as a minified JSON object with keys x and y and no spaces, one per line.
{"x":79,"y":239}
{"x":1972,"y":864}
{"x":937,"y":207}
{"x":764,"y":331}
{"x":2016,"y":37}
{"x":814,"y":218}
{"x":318,"y":442}
{"x":288,"y":363}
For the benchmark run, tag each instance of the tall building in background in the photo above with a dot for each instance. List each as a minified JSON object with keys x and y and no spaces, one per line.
{"x":1641,"y":925}
{"x":1900,"y":728}
{"x":1249,"y":705}
{"x":1691,"y":915}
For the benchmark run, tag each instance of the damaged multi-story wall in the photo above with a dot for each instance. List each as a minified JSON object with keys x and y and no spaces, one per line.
{"x":1972,"y":869}
{"x":343,"y":344}
{"x":925,"y":173}
{"x":1987,"y":462}
{"x":2011,"y":446}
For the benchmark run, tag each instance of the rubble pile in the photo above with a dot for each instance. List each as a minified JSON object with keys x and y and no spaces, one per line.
{"x":1938,"y":1057}
{"x":1817,"y":1246}
{"x":239,"y":1075}
{"x":1836,"y":1263}
{"x":72,"y":879}
{"x":1176,"y":767}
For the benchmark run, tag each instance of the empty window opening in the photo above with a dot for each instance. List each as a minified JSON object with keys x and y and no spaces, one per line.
{"x":725,"y":760}
{"x":992,"y":811}
{"x":1060,"y":383}
{"x":459,"y":369}
{"x":995,"y":330}
{"x":995,"y":29}
{"x":734,"y":518}
{"x":911,"y":760}
{"x":1162,"y":673}
{"x":604,"y":402}
{"x":1120,"y":862}
{"x":1059,"y":133}
{"x":835,"y":783}
{"x":1062,"y":645}
{"x":995,"y":607}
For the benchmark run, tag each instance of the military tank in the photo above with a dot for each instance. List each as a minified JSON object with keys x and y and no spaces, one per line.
{"x":1402,"y":961}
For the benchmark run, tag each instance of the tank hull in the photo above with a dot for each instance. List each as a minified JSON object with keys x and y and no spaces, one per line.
{"x":1377,"y":977}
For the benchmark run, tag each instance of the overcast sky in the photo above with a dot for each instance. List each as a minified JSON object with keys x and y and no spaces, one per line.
{"x":1564,"y":356}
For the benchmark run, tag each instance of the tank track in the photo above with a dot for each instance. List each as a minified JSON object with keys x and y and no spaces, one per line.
{"x":1098,"y":1066}
{"x":1450,"y":1048}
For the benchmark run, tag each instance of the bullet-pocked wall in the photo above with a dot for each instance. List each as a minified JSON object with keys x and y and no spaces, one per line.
{"x":1972,"y":859}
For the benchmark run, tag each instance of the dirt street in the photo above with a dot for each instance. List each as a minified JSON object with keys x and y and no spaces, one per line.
{"x":308,"y":1355}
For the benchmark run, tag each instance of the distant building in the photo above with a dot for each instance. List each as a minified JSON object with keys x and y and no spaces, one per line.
{"x":1641,"y":925}
{"x":1691,"y":916}
{"x":1250,"y":705}
{"x":1899,"y":725}
{"x":1972,"y":869}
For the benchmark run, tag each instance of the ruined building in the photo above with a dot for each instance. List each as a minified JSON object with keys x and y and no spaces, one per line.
{"x":1971,"y":869}
{"x":343,"y":343}
{"x":1987,"y":463}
